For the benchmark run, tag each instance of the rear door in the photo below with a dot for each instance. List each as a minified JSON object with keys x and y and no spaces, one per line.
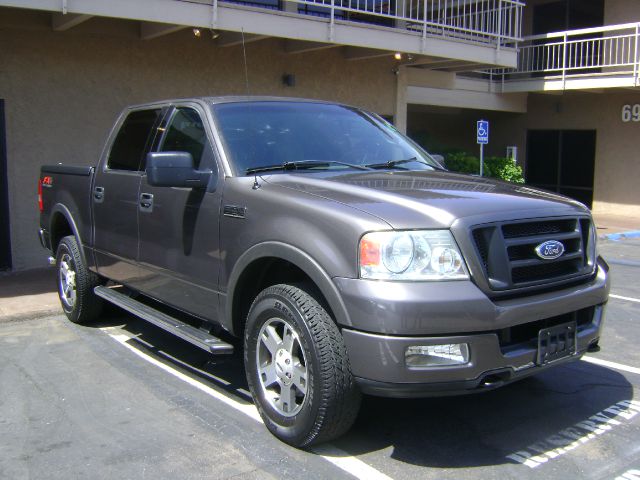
{"x":179,"y":233}
{"x":115,"y":195}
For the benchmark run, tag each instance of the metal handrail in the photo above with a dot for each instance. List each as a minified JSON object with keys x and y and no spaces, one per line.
{"x":495,"y":22}
{"x":612,"y":50}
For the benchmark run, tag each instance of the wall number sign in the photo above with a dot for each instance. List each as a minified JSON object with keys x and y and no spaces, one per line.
{"x":631,"y":113}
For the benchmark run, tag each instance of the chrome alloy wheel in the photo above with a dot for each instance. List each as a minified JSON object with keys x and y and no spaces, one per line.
{"x":67,"y":281}
{"x":281,"y":366}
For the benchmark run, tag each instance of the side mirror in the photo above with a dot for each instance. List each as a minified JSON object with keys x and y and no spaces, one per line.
{"x":175,"y":169}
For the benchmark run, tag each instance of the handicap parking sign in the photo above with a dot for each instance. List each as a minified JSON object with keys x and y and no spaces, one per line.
{"x":483,"y":131}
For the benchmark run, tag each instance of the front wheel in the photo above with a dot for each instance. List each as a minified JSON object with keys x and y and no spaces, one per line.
{"x":297,"y":368}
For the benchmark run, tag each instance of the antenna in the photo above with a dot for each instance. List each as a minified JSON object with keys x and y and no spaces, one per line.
{"x":244,"y":54}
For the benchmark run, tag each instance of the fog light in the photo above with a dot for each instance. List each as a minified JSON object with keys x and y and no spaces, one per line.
{"x":437,"y":355}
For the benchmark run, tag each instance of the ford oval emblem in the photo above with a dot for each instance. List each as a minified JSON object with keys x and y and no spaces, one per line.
{"x":550,"y":250}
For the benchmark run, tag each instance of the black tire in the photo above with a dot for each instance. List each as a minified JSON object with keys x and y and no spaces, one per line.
{"x":86,"y":305}
{"x":331,"y":402}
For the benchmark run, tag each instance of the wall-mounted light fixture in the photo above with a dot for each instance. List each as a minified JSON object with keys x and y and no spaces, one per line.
{"x":196,"y":32}
{"x":397,"y":56}
{"x":289,"y":80}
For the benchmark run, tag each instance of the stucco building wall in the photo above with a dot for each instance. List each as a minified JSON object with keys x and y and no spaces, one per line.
{"x":621,"y":11}
{"x":63,"y":90}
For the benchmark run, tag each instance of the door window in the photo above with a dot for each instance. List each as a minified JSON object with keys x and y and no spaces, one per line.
{"x":132,"y":140}
{"x":186,"y":133}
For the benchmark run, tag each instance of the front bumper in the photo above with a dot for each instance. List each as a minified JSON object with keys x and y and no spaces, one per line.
{"x":419,"y":317}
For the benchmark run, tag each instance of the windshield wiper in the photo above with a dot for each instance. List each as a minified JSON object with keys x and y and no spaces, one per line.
{"x":395,"y":163}
{"x":302,"y":165}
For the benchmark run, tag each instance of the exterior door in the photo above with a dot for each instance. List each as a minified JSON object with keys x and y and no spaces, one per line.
{"x":562,"y":161}
{"x":115,"y":196}
{"x":5,"y":238}
{"x":179,"y":238}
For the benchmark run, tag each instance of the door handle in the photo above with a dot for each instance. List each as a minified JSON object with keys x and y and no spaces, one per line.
{"x":146,"y":202}
{"x":98,"y":194}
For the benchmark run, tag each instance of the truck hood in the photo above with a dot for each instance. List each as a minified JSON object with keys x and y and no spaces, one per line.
{"x":430,"y":199}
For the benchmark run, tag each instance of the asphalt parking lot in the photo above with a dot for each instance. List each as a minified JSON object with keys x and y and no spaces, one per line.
{"x":123,"y":399}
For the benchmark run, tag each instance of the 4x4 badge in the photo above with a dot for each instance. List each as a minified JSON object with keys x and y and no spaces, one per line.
{"x":550,"y":250}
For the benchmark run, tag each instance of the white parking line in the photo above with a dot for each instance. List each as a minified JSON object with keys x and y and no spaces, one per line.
{"x":629,"y":299}
{"x":247,"y":409}
{"x":336,"y":456}
{"x":607,"y":363}
{"x":348,"y":463}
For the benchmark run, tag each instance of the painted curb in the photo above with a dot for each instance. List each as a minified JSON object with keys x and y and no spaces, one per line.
{"x":620,"y":236}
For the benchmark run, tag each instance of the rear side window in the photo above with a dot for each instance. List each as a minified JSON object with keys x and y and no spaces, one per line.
{"x":186,"y":133}
{"x":132,"y":139}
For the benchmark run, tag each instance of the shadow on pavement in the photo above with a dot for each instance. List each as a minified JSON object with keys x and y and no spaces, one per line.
{"x":482,"y":429}
{"x":445,"y":432}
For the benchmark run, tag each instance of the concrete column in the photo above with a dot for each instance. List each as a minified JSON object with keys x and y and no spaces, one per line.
{"x":400,"y":112}
{"x":399,"y":12}
{"x":291,"y":7}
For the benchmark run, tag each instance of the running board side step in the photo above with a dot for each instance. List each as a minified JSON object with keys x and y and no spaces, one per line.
{"x":187,"y":332}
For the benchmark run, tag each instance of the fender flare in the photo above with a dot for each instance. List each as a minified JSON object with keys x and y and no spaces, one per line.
{"x":60,"y":209}
{"x":300,"y":259}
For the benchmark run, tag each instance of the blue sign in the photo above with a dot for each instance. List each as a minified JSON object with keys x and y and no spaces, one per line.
{"x":483,"y":132}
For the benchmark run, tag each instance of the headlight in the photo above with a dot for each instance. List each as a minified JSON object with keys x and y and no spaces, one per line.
{"x":411,"y":255}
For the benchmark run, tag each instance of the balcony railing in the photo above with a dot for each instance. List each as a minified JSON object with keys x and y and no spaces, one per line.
{"x":494,"y":22}
{"x":611,"y":51}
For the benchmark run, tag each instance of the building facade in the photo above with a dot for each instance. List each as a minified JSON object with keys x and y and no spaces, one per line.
{"x":67,"y":69}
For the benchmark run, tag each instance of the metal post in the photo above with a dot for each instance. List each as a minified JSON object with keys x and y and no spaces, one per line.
{"x":636,"y":67}
{"x":424,"y":25}
{"x":564,"y":61}
{"x":481,"y":159}
{"x":64,"y":7}
{"x":499,"y":24}
{"x":332,"y":21}
{"x":214,"y":14}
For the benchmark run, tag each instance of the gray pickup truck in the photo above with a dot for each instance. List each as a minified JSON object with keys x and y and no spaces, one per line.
{"x":341,"y":255}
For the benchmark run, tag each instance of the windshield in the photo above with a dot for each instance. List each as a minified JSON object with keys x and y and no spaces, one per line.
{"x":267,"y":135}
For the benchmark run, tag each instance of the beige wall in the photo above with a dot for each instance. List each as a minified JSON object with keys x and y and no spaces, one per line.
{"x":455,"y":128}
{"x":62,"y":91}
{"x":617,"y":163}
{"x":621,"y":11}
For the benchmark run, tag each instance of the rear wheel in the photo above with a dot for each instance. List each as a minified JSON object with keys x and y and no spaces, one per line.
{"x":76,"y":283}
{"x":297,"y":367}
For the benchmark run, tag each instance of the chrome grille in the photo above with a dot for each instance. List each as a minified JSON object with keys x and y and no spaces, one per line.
{"x":507,"y":252}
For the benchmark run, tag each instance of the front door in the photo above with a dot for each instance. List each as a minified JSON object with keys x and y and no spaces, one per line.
{"x":115,"y":196}
{"x":179,"y":238}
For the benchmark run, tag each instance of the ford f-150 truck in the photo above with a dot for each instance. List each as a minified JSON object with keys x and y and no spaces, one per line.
{"x":340,"y":254}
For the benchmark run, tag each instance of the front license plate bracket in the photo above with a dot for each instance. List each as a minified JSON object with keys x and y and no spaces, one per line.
{"x":556,"y":342}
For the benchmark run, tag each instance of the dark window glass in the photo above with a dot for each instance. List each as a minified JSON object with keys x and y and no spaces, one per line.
{"x":578,"y":158}
{"x":132,"y":139}
{"x":186,"y":134}
{"x":543,"y":158}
